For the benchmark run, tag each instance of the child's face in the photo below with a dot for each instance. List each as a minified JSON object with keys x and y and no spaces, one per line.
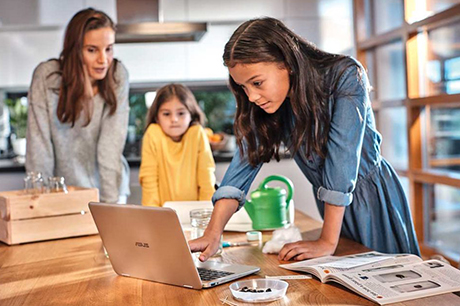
{"x":265,"y":84}
{"x":98,"y":52}
{"x":174,"y":118}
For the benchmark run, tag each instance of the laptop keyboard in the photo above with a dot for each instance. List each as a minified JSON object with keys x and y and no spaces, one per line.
{"x":209,"y":274}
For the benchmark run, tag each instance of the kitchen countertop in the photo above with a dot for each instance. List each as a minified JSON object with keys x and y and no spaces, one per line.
{"x":11,"y":165}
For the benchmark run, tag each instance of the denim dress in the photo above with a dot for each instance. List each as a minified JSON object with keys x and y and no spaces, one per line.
{"x":353,"y":174}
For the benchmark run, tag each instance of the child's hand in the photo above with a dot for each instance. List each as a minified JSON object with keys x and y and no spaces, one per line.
{"x":302,"y":250}
{"x":208,"y":246}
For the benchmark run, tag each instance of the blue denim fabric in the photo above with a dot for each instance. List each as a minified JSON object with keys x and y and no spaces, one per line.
{"x":353,"y":174}
{"x":237,"y":180}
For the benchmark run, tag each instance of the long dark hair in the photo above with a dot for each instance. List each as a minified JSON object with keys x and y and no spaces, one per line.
{"x":74,"y":96}
{"x":184,"y":95}
{"x":269,"y":40}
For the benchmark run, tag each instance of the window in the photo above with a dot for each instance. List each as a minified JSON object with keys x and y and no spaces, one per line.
{"x":439,"y":58}
{"x":217,"y":102}
{"x":390,"y":72}
{"x":443,"y":218}
{"x":413,"y":62}
{"x":392,"y":126}
{"x":442,"y":128}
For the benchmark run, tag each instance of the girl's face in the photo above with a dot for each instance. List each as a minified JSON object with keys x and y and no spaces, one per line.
{"x":174,"y":118}
{"x":98,"y":52}
{"x":266,"y":84}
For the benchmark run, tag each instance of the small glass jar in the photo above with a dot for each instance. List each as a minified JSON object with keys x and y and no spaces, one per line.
{"x":199,"y":220}
{"x":57,"y":184}
{"x":34,"y":183}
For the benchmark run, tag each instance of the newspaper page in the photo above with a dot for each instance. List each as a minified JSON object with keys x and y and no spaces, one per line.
{"x":384,"y":278}
{"x":401,"y":282}
{"x":323,"y":266}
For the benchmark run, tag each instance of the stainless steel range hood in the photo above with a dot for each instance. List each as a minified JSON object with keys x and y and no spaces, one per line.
{"x":141,"y":21}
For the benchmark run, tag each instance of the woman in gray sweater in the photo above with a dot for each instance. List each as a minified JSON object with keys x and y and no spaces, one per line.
{"x":79,"y":109}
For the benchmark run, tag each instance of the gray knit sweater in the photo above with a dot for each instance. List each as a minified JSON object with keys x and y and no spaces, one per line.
{"x":87,"y":156}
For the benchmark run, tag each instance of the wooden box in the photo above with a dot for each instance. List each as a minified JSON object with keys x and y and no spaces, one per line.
{"x":28,"y":218}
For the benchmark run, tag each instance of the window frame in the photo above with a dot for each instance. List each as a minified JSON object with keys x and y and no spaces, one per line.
{"x":407,"y":33}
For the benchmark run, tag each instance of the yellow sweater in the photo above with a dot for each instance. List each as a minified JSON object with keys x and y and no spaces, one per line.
{"x":176,"y":171}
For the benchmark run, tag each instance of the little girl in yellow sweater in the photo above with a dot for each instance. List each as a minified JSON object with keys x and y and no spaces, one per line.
{"x":177,"y":162}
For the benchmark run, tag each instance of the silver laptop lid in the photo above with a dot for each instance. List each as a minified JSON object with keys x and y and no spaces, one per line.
{"x":146,"y":243}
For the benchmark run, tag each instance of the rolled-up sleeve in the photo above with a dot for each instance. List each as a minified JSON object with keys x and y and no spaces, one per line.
{"x":237,"y":180}
{"x":345,"y":139}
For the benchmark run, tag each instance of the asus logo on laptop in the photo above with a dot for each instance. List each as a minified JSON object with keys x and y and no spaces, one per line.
{"x":141,"y":244}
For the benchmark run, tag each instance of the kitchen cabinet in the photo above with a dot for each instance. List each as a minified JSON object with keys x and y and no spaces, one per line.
{"x":169,"y":62}
{"x":40,"y":13}
{"x":22,"y":51}
{"x":240,"y":10}
{"x":327,"y":23}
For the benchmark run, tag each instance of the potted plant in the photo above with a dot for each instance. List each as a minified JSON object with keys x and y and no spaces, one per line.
{"x":18,"y":120}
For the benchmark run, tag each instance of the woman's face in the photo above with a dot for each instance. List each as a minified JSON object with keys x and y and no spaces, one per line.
{"x":174,"y":118}
{"x":266,"y":84}
{"x":98,"y":52}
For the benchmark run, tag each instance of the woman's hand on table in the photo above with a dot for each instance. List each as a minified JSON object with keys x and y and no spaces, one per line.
{"x":207,"y":245}
{"x":302,"y":250}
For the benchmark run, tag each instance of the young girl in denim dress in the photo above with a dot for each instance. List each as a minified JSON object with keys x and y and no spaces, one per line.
{"x":318,"y":105}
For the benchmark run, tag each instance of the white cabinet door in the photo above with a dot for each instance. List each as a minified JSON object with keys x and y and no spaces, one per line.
{"x":174,"y":10}
{"x":204,"y":58}
{"x":58,"y":12}
{"x":22,"y":51}
{"x":234,"y":10}
{"x":158,"y":62}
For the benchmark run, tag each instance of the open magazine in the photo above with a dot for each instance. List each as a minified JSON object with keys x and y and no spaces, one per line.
{"x":384,"y":278}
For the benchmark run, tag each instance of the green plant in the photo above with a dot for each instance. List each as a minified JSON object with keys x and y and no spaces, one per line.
{"x":138,"y":113}
{"x":219,"y":108}
{"x":18,"y":116}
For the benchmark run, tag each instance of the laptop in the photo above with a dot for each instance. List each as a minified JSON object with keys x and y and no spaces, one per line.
{"x":148,"y":243}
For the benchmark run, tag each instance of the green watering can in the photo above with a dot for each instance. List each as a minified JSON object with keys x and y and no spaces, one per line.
{"x":268,"y":207}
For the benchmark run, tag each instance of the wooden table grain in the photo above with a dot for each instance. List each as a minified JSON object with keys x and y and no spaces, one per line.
{"x":75,"y":271}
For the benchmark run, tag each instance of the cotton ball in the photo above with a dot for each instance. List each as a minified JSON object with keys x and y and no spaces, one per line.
{"x":280,"y":238}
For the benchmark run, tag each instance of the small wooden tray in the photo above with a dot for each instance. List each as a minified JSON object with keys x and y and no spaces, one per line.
{"x":27,"y":218}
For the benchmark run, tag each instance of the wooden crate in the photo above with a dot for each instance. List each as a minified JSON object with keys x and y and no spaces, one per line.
{"x":28,"y":218}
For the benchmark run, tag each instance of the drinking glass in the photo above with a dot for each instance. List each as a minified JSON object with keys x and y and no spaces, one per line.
{"x":199,"y":220}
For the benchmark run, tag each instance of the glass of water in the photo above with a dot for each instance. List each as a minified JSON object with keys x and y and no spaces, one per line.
{"x":199,"y":220}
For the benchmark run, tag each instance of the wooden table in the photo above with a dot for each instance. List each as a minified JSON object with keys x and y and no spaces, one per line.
{"x":76,"y":272}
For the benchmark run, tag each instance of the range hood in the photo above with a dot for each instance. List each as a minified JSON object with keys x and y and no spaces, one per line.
{"x":141,"y":21}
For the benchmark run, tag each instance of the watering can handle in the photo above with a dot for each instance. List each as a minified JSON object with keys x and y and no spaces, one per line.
{"x":283,"y":179}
